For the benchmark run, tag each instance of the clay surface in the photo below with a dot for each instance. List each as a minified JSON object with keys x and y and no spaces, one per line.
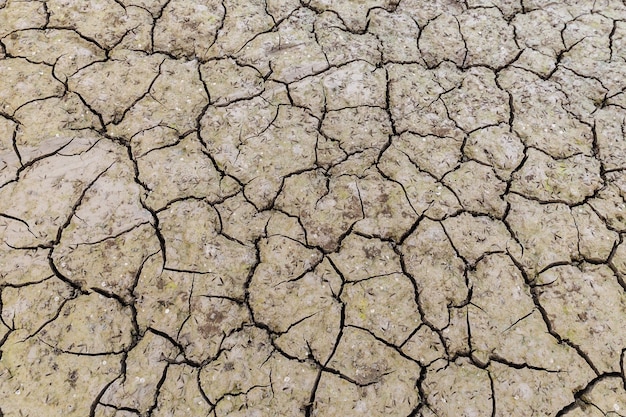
{"x":312,"y":208}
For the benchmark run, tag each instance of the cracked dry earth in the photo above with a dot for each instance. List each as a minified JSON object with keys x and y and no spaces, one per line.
{"x":312,"y":208}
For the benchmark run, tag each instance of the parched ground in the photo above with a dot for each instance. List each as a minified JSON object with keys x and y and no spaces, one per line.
{"x":312,"y":208}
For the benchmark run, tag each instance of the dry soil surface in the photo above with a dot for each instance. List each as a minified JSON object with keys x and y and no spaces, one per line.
{"x":312,"y":208}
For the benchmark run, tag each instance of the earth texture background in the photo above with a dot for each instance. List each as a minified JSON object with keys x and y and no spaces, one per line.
{"x":312,"y":208}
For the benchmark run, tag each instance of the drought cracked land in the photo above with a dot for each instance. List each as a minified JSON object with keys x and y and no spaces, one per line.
{"x":312,"y":208}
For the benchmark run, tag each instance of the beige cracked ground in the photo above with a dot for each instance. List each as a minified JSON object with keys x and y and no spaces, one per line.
{"x":312,"y":208}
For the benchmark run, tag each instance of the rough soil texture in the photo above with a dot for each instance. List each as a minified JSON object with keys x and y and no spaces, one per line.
{"x":312,"y":208}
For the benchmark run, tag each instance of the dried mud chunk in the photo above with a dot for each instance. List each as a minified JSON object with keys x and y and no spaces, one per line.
{"x":342,"y":46}
{"x":111,"y":264}
{"x":37,"y":379}
{"x":585,"y":95}
{"x":426,"y":195}
{"x":193,"y":241}
{"x":163,"y":297}
{"x":241,"y":23}
{"x":490,"y":40}
{"x":360,"y":258}
{"x":105,"y":21}
{"x":296,"y":38}
{"x":23,"y":81}
{"x":441,"y":40}
{"x":357,"y":129}
{"x":478,"y":188}
{"x":610,"y":128}
{"x":278,"y":53}
{"x":186,"y":29}
{"x":547,"y":232}
{"x":536,"y":391}
{"x":145,"y":364}
{"x":210,"y":319}
{"x":289,"y":226}
{"x":285,"y":146}
{"x":496,"y":146}
{"x":610,"y":205}
{"x":65,"y":49}
{"x":437,"y":270}
{"x":110,"y":207}
{"x":501,"y":316}
{"x":383,"y":380}
{"x":225,"y":129}
{"x":540,"y":118}
{"x":90,"y":324}
{"x":590,"y":56}
{"x":180,"y":395}
{"x":50,"y":125}
{"x":316,"y":333}
{"x":358,"y":83}
{"x":241,"y":220}
{"x":589,"y":33}
{"x":283,"y":259}
{"x":597,"y":26}
{"x":383,"y":305}
{"x":476,"y":236}
{"x":227,"y":81}
{"x":540,"y":30}
{"x":311,"y":94}
{"x":18,"y":15}
{"x":175,"y":99}
{"x":182,"y":170}
{"x":387,"y":212}
{"x":244,"y":363}
{"x":68,"y":175}
{"x":586,"y":305}
{"x":292,"y":384}
{"x":596,"y":240}
{"x":459,"y":389}
{"x":113,"y":86}
{"x":478,"y":102}
{"x":397,"y":33}
{"x":327,"y":210}
{"x":286,"y":286}
{"x":415,"y":98}
{"x":28,"y":308}
{"x":21,"y":266}
{"x":570,"y":180}
{"x":328,"y":153}
{"x":433,"y":154}
{"x":424,"y":345}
